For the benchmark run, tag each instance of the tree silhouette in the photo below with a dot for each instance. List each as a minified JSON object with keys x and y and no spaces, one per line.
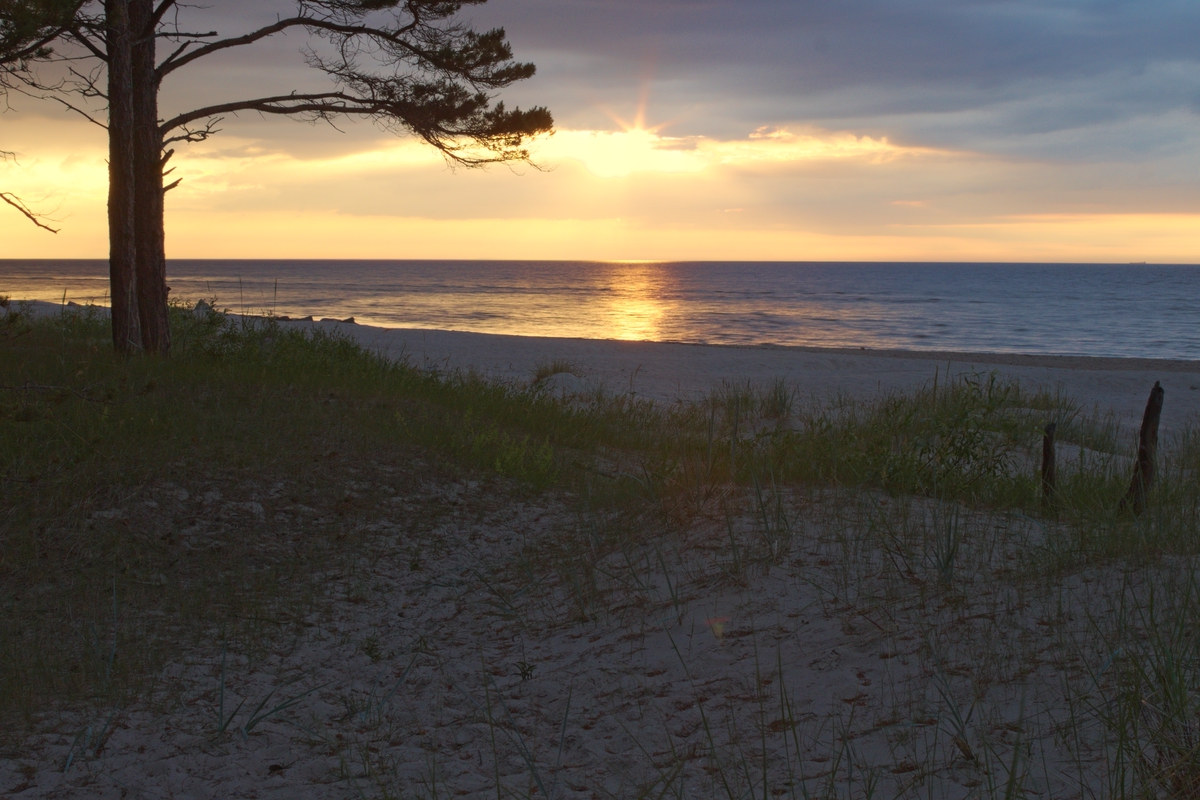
{"x":409,"y":65}
{"x":27,"y":27}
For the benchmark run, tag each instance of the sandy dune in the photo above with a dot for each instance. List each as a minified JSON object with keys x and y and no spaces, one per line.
{"x":686,"y":674}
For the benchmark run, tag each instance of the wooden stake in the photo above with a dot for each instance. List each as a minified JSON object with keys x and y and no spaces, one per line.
{"x":1143,"y":472}
{"x":1049,"y":473}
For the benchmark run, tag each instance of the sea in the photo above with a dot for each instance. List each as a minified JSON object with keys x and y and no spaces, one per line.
{"x":1120,"y":310}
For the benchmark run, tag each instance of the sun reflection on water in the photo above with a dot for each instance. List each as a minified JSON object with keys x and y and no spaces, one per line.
{"x":637,"y":309}
{"x":963,"y":307}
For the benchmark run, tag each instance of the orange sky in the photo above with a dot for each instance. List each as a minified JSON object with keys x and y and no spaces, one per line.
{"x":784,"y":193}
{"x":866,"y":130}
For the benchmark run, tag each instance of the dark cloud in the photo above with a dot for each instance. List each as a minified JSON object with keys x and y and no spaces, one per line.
{"x":1055,"y":79}
{"x":816,"y":46}
{"x":725,"y":64}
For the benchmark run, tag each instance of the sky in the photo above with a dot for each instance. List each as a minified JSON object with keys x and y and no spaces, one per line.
{"x":889,"y":130}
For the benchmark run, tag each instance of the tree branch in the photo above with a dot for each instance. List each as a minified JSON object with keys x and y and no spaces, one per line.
{"x":324,"y":103}
{"x":54,"y":93}
{"x":37,"y":47}
{"x":16,"y":203}
{"x":192,"y":135}
{"x":72,"y":107}
{"x":175,"y":61}
{"x":445,"y":114}
{"x":182,"y":35}
{"x":160,"y":12}
{"x":395,"y":38}
{"x":80,"y":34}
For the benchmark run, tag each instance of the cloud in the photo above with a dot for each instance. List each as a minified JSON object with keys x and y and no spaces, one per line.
{"x":618,"y":154}
{"x":785,"y":128}
{"x":1001,"y":76}
{"x":898,"y":66}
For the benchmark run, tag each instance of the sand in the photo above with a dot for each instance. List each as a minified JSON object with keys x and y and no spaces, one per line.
{"x":686,"y":675}
{"x":669,"y":371}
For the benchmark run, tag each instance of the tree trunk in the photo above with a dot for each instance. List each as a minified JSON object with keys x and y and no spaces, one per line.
{"x":148,"y":185}
{"x":121,"y":250}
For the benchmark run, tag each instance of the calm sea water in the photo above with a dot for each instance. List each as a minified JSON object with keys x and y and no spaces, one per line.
{"x":1084,"y":309}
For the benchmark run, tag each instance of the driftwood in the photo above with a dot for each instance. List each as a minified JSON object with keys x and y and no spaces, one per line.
{"x":1143,"y":472}
{"x":1049,"y":473}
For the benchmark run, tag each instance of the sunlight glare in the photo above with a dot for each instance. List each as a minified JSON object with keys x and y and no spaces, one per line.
{"x":637,"y":310}
{"x":619,"y":154}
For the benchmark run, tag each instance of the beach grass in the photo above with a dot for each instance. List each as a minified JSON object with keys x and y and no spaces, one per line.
{"x":109,"y":463}
{"x":224,"y":498}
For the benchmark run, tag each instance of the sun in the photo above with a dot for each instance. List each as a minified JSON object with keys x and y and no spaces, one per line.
{"x":634,"y":147}
{"x":639,"y":118}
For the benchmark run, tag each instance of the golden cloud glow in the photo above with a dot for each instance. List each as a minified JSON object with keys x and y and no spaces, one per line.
{"x":605,"y":154}
{"x":608,"y":200}
{"x":308,"y":234}
{"x":618,"y":154}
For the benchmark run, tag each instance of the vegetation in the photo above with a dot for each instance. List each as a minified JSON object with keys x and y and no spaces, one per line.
{"x":27,"y":27}
{"x":410,"y":66}
{"x":230,"y":416}
{"x":225,"y":498}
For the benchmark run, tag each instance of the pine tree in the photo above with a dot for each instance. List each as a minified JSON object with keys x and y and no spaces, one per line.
{"x":409,"y":65}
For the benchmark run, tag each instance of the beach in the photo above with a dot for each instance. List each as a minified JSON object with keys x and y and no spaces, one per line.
{"x":681,"y":401}
{"x":666,"y":372}
{"x":740,"y":640}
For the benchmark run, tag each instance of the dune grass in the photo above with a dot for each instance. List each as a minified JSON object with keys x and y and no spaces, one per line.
{"x":150,"y":507}
{"x":106,"y":462}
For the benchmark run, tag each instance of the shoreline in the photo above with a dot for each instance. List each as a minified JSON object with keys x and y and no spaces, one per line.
{"x":1058,"y":360}
{"x":669,"y":372}
{"x":673,"y":371}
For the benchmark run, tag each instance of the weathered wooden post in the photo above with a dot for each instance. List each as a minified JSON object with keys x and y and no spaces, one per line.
{"x":1049,"y":473}
{"x":1143,"y":471}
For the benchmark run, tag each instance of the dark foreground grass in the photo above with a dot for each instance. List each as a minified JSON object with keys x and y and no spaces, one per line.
{"x":138,"y":494}
{"x":149,"y":507}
